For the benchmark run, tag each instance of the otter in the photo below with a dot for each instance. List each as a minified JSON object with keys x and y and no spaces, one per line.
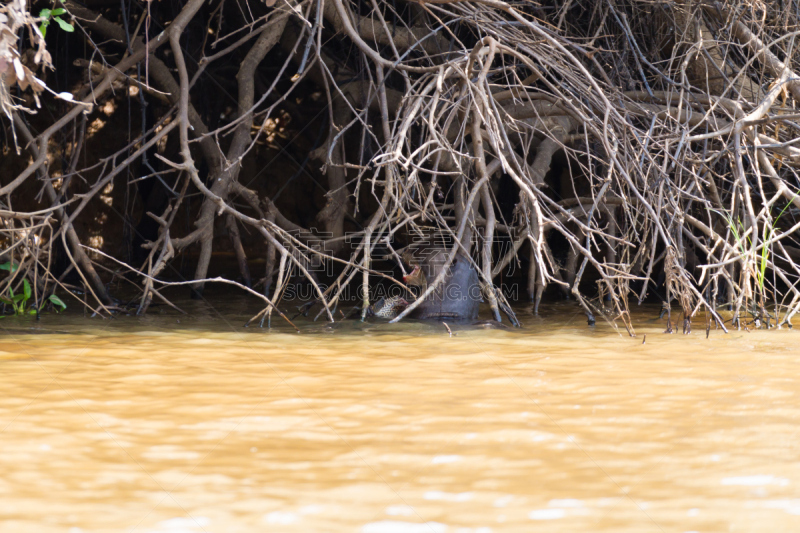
{"x":457,"y":297}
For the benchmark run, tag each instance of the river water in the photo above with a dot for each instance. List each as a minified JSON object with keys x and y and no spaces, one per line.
{"x":173,"y":423}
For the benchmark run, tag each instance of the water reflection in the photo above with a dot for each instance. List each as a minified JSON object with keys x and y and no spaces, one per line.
{"x":192,"y":423}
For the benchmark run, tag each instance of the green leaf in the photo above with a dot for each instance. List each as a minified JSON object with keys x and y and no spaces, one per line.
{"x":26,"y":288}
{"x":45,"y":13}
{"x":18,"y":298}
{"x":774,"y":224}
{"x":57,"y":301}
{"x":5,"y":301}
{"x":66,"y":26}
{"x":59,"y":11}
{"x":33,"y":311}
{"x":43,"y":28}
{"x":8,"y":265}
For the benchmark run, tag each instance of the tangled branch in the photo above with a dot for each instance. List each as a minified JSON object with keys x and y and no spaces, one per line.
{"x":648,"y":148}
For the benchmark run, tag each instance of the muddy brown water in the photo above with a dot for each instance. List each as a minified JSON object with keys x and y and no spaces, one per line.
{"x":194,"y":424}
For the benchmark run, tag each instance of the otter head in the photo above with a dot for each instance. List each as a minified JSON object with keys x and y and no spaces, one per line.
{"x":416,"y":278}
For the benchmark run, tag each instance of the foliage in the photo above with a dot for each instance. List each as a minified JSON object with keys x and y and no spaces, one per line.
{"x":758,"y":267}
{"x":19,"y":302}
{"x":54,"y":14}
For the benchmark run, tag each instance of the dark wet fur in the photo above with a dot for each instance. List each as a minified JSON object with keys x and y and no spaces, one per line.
{"x":458,"y":296}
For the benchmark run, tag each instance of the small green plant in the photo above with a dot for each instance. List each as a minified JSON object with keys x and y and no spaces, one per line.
{"x":19,"y":302}
{"x":769,"y":232}
{"x":57,"y":302}
{"x":734,"y":227}
{"x":54,"y":14}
